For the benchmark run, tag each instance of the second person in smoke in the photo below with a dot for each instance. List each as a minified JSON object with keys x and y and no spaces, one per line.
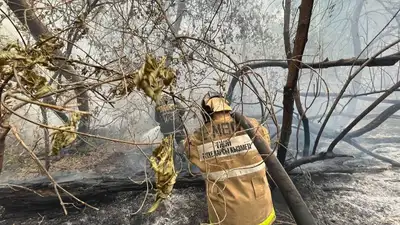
{"x":235,"y":174}
{"x":169,"y":115}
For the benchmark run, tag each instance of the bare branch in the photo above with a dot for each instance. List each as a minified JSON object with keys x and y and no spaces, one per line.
{"x":344,"y":89}
{"x":388,"y":60}
{"x":382,"y":117}
{"x":314,"y":158}
{"x":361,"y":116}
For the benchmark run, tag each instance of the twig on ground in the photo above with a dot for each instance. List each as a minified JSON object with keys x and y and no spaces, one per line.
{"x":343,"y":170}
{"x":13,"y":186}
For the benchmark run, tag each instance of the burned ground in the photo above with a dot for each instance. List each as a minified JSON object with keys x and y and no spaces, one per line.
{"x":360,"y":190}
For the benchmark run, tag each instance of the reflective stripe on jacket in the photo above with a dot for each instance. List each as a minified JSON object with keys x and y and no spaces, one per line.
{"x":237,"y":187}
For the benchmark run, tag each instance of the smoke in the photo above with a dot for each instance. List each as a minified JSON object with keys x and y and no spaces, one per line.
{"x":153,"y":135}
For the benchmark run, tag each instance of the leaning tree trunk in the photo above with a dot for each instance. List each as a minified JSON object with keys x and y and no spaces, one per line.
{"x":293,"y":74}
{"x":28,"y":18}
{"x":362,"y":115}
{"x":382,"y":117}
{"x":297,"y":206}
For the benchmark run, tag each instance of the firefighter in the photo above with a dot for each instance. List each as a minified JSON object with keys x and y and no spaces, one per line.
{"x":169,"y":115}
{"x":237,"y":188}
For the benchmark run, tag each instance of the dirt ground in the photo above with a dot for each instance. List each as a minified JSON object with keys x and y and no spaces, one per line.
{"x":370,"y":194}
{"x":357,"y":191}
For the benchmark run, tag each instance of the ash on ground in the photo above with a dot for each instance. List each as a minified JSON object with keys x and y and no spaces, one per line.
{"x":360,"y":190}
{"x":367,"y":197}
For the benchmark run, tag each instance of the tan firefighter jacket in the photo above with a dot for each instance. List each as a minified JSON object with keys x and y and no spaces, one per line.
{"x":237,"y":187}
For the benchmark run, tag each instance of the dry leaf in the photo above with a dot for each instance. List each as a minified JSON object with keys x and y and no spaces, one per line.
{"x":162,"y":162}
{"x":151,"y":78}
{"x":61,"y":139}
{"x":22,"y":61}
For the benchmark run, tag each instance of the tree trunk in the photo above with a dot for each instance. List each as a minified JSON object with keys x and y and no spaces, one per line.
{"x":288,"y":50}
{"x":305,"y":122}
{"x":291,"y":84}
{"x":28,"y":18}
{"x":355,"y":36}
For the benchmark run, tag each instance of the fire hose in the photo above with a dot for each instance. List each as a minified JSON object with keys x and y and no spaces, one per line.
{"x":294,"y":201}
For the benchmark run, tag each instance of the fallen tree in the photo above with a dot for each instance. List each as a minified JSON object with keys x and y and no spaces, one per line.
{"x":35,"y":195}
{"x":39,"y":194}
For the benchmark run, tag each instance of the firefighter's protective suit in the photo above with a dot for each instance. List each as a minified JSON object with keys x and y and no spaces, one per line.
{"x":237,"y":188}
{"x":169,"y":115}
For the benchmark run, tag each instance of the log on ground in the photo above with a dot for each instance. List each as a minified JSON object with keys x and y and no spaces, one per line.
{"x":39,"y":193}
{"x":97,"y":188}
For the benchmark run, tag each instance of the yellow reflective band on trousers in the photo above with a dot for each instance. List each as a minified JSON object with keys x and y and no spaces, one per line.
{"x":270,"y":219}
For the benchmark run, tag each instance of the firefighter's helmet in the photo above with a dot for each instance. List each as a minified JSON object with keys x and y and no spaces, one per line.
{"x":213,"y":102}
